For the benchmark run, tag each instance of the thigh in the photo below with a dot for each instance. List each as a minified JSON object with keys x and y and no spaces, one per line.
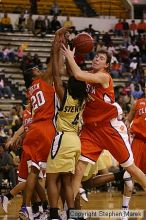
{"x":64,"y":153}
{"x":116,"y":141}
{"x":23,"y":168}
{"x":90,"y":146}
{"x":139,"y":153}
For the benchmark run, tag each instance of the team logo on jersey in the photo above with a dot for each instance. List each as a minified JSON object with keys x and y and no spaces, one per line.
{"x":122,"y":127}
{"x":91,"y":89}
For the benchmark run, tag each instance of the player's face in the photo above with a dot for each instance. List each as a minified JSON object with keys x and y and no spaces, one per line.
{"x":99,"y":62}
{"x":36,"y":72}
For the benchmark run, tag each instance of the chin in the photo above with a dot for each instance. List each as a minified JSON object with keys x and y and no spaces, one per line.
{"x":95,"y":68}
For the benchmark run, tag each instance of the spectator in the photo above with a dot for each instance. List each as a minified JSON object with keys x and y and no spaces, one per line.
{"x":133,"y":68}
{"x":116,"y":70}
{"x":111,"y":49}
{"x":133,"y":48}
{"x":26,"y":61}
{"x":141,"y":27}
{"x":106,"y":39}
{"x":5,"y":90}
{"x":34,"y":7}
{"x":68,"y":22}
{"x":20,"y":53}
{"x":6,"y":23}
{"x":55,"y":9}
{"x":119,"y":28}
{"x":30,"y":23}
{"x":137,"y":93}
{"x":133,"y":30}
{"x":47,"y":25}
{"x":7,"y":170}
{"x":143,"y":47}
{"x":100,"y":46}
{"x":39,"y":27}
{"x":125,"y":28}
{"x":55,"y":24}
{"x":73,"y":33}
{"x":5,"y":54}
{"x":21,"y":22}
{"x":15,"y":119}
{"x":15,"y":159}
{"x":2,"y":132}
{"x":36,"y":61}
{"x":8,"y":54}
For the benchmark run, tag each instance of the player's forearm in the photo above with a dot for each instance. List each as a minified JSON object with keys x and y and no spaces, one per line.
{"x":77,"y":72}
{"x":18,"y":133}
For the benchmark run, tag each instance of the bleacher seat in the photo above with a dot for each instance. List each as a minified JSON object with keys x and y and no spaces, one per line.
{"x":109,"y":8}
{"x":68,"y":7}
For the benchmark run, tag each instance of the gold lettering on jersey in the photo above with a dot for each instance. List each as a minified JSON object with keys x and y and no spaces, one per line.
{"x":34,"y":88}
{"x":142,"y":111}
{"x":72,"y":109}
{"x":91,"y":89}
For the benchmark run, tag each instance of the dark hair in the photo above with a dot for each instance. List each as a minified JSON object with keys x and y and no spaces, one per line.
{"x":28,"y":75}
{"x":108,"y":55}
{"x":77,"y":89}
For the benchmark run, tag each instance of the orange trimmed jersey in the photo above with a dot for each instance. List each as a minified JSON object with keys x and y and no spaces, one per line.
{"x":42,"y":98}
{"x":138,"y":126}
{"x":100,"y":107}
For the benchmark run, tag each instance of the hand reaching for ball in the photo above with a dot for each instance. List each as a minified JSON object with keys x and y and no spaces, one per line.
{"x":61,"y":36}
{"x":67,"y":52}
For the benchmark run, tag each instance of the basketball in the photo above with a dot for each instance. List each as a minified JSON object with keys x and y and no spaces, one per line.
{"x":83,"y":43}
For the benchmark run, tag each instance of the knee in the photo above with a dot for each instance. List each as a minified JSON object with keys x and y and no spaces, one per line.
{"x":128,"y":181}
{"x":80,"y":168}
{"x":35,"y":170}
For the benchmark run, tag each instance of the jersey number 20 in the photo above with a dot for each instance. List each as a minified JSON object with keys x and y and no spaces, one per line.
{"x":37,"y":100}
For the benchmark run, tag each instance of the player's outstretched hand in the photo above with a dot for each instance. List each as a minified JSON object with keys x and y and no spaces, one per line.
{"x":67,"y":52}
{"x":62,"y":34}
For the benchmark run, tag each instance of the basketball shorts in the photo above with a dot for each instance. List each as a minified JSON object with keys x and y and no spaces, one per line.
{"x":38,"y":141}
{"x":139,"y":153}
{"x":64,"y":153}
{"x":92,"y":169}
{"x":23,"y":167}
{"x":111,"y":136}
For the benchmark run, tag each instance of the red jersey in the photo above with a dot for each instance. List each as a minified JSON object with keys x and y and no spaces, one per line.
{"x":27,"y":119}
{"x":139,"y":122}
{"x":100,"y":106}
{"x":42,"y":97}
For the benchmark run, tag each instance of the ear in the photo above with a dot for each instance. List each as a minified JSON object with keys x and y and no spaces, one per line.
{"x":107,"y":65}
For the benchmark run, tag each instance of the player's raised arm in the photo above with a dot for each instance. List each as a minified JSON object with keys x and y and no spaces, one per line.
{"x":58,"y":62}
{"x":100,"y":77}
{"x":59,"y":38}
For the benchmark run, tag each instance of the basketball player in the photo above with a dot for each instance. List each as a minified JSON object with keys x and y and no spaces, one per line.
{"x":25,"y":162}
{"x":42,"y":130}
{"x":102,"y":128}
{"x":136,"y":123}
{"x":16,"y":141}
{"x":66,"y":146}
